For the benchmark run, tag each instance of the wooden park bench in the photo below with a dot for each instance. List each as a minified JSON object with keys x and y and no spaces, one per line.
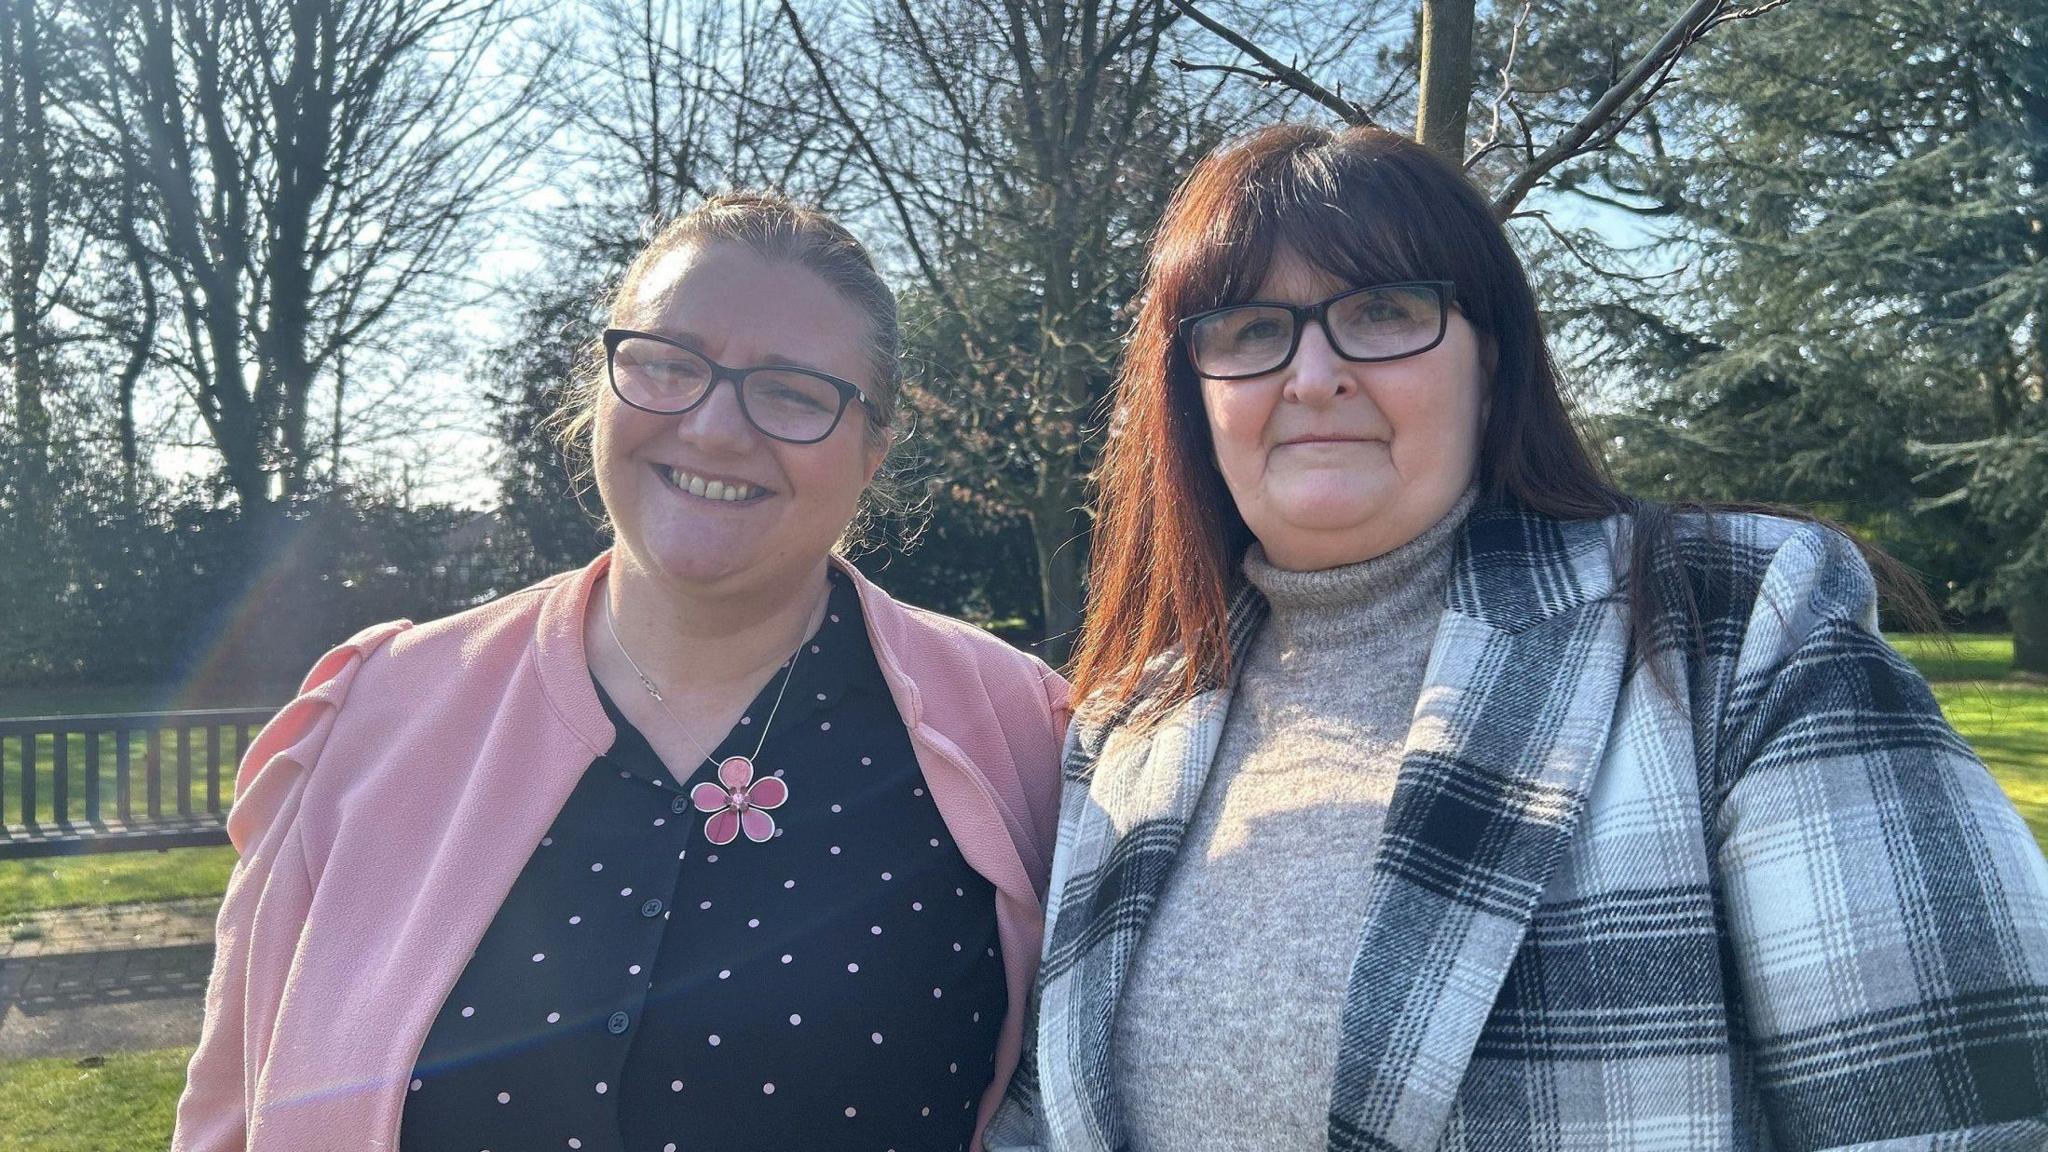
{"x":111,"y":783}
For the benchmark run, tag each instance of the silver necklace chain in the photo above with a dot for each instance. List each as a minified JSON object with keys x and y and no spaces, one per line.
{"x":646,"y":682}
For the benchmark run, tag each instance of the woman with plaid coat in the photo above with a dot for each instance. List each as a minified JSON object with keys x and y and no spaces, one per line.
{"x":1668,"y":848}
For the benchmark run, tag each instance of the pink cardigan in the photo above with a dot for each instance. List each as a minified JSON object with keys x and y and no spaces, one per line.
{"x":378,"y":839}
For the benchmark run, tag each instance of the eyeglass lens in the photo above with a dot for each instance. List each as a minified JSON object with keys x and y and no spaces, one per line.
{"x":785,"y":403}
{"x":1368,"y":324}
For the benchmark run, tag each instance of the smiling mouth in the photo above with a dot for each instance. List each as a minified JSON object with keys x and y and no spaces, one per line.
{"x":728,"y":491}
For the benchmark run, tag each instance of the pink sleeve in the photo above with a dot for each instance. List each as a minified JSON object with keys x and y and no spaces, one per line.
{"x":1046,"y":800}
{"x":265,"y":907}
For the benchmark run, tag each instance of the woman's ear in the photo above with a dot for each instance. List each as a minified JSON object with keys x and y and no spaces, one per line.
{"x":877,"y":451}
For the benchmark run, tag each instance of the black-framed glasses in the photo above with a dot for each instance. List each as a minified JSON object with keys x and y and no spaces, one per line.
{"x":795,"y":405}
{"x":1377,"y":322}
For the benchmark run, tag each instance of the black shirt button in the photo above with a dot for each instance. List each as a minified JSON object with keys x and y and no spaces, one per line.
{"x":679,"y":805}
{"x":651,"y":909}
{"x":618,"y":1023}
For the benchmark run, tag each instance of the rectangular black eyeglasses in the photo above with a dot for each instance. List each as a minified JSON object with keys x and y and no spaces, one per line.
{"x":1375,"y":341}
{"x":782,"y":402}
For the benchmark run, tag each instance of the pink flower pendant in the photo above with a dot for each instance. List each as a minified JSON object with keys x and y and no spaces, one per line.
{"x":738,"y":802}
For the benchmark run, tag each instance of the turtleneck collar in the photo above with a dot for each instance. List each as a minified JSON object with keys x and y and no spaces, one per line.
{"x":1338,"y":602}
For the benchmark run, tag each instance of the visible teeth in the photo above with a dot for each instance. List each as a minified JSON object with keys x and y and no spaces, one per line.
{"x":709,"y":489}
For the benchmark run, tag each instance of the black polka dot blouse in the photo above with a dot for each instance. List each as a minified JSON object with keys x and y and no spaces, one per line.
{"x":825,"y":976}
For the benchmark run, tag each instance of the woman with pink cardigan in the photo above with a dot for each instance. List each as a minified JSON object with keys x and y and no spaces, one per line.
{"x":710,"y":844}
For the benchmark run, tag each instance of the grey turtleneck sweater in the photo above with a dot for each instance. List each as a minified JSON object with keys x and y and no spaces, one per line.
{"x":1226,"y":1033}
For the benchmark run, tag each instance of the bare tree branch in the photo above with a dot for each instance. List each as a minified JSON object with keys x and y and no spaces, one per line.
{"x":1252,"y":74}
{"x":1280,"y":73}
{"x":1507,"y":84}
{"x":1604,"y":121}
{"x":1571,"y":248}
{"x":853,"y":127}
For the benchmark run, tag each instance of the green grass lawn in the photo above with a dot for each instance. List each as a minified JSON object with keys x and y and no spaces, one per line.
{"x":1959,"y":656}
{"x":110,"y":878}
{"x":122,"y":1103}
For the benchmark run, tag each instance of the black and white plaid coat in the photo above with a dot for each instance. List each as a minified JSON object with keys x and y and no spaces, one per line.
{"x":1773,"y":903}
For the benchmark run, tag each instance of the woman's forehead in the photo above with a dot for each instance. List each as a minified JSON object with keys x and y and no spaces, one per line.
{"x":731,"y":302}
{"x":658,"y":280}
{"x":653,"y":292}
{"x":719,"y":278}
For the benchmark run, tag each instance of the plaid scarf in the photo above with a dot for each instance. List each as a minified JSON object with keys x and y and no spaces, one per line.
{"x":1755,"y":894}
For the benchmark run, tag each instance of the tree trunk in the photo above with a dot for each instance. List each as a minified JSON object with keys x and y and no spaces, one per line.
{"x":137,"y":361}
{"x":335,"y":430}
{"x":1446,"y":77}
{"x":303,"y":110}
{"x":25,"y":200}
{"x":2027,"y":609}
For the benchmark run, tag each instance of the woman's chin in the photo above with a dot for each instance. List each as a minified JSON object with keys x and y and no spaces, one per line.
{"x":1329,"y":532}
{"x":697,"y":551}
{"x":1330,"y":506}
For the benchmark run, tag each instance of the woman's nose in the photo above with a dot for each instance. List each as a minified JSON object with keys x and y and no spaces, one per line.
{"x":719,"y":421}
{"x":1318,"y":375}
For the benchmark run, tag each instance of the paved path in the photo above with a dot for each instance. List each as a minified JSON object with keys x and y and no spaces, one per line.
{"x":118,"y":978}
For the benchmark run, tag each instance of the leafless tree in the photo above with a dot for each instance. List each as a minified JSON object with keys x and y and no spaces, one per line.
{"x":666,"y":101}
{"x":28,"y":183}
{"x":306,"y":177}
